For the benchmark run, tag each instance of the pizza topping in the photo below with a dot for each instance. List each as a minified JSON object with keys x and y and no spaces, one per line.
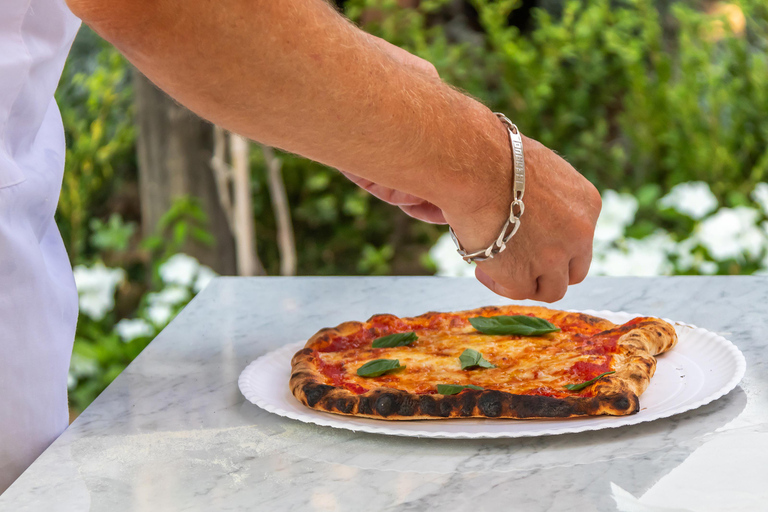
{"x":471,"y":358}
{"x":453,"y":389}
{"x":578,"y":387}
{"x":379,"y":367}
{"x":338,"y":376}
{"x":520,"y":325}
{"x":399,"y":339}
{"x":586,"y":370}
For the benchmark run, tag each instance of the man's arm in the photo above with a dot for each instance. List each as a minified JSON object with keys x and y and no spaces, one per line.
{"x":296,"y":75}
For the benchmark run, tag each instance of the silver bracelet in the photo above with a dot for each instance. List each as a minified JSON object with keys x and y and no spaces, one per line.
{"x":516,"y":208}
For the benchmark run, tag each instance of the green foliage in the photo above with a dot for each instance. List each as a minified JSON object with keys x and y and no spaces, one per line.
{"x":95,"y":100}
{"x":184,"y":220}
{"x":113,"y":235}
{"x":339,"y":228}
{"x":99,"y":353}
{"x":603,"y":83}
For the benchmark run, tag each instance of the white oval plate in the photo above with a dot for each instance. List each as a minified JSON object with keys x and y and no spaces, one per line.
{"x":702,"y":367}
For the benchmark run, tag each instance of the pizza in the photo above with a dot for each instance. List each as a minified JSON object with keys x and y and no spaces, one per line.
{"x":522,"y":362}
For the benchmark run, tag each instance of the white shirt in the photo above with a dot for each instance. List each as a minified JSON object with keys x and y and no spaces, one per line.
{"x":38,"y":299}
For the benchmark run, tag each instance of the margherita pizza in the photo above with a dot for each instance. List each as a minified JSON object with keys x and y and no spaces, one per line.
{"x":493,"y":362}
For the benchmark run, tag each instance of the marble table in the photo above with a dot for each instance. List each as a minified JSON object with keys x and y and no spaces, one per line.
{"x":173,"y":432}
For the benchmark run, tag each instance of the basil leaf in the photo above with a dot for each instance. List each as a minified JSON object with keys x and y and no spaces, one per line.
{"x":379,"y":367}
{"x":399,"y":339}
{"x":470,"y":358}
{"x":454,"y":389}
{"x":520,"y":325}
{"x":579,"y":387}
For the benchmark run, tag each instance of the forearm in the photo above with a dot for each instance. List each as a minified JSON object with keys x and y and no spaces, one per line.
{"x":296,"y":75}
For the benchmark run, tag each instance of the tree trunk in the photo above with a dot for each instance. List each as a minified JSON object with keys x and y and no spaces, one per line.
{"x":174,"y":153}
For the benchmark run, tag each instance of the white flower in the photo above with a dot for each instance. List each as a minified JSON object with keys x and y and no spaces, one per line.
{"x":693,"y":199}
{"x":707,"y":267}
{"x":171,"y":296}
{"x":732,"y":233}
{"x":131,"y":329}
{"x":760,"y":195}
{"x":618,"y":212}
{"x":448,"y":261}
{"x":160,"y":314}
{"x":684,"y":251}
{"x":96,"y":288}
{"x":645,"y":257}
{"x":179,"y":269}
{"x":204,"y":276}
{"x":82,"y":366}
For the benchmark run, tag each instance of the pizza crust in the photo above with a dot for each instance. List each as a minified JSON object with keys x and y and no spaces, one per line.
{"x":616,"y":394}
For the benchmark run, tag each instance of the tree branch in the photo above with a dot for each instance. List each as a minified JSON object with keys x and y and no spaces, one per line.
{"x":285,"y":239}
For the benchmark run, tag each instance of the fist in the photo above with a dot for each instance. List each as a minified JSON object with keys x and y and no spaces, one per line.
{"x":553,"y":246}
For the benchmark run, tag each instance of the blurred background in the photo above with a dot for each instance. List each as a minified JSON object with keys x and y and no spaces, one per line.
{"x":662,"y":104}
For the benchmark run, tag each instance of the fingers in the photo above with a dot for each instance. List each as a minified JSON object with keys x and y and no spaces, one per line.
{"x":578,"y":267}
{"x":551,"y":287}
{"x":386,"y":194}
{"x":517,"y":290}
{"x":425,"y":211}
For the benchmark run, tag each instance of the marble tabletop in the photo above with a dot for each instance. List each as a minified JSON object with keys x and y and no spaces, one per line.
{"x":173,"y":432}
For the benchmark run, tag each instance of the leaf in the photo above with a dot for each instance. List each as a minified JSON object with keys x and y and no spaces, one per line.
{"x":454,"y":389}
{"x":520,"y":325}
{"x":579,"y":387}
{"x":470,"y":358}
{"x":399,"y":339}
{"x":379,"y":367}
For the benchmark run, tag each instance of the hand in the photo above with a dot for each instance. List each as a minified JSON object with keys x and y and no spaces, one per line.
{"x":413,"y":206}
{"x":553,"y":246}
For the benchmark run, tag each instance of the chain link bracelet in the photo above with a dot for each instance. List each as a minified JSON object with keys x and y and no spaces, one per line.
{"x":516,"y":208}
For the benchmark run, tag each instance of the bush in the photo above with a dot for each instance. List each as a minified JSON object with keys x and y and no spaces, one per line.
{"x":627,"y":101}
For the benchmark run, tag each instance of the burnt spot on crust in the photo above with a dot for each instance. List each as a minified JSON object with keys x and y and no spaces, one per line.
{"x":345,"y":405}
{"x":466,"y":402}
{"x":624,"y":403}
{"x":364,"y":405}
{"x":490,"y":403}
{"x":301,"y":355}
{"x":387,"y":404}
{"x":408,"y":406}
{"x":590,"y":320}
{"x":315,"y":392}
{"x":533,"y":406}
{"x":435,"y":406}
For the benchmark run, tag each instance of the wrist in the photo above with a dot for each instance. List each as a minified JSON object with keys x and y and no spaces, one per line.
{"x":479,"y":204}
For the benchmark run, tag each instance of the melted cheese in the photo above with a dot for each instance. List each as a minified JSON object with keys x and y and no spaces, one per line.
{"x":524,"y":365}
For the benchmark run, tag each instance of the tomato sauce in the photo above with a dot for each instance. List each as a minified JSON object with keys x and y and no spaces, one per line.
{"x":336,"y":373}
{"x":583,"y":371}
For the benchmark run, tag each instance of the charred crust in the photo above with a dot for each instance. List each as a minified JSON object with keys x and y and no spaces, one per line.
{"x":345,"y":405}
{"x":435,"y":406}
{"x":621,"y":404}
{"x":466,"y":402}
{"x":387,"y":404}
{"x":364,"y":405}
{"x":315,"y":392}
{"x":408,"y":406}
{"x":490,"y":403}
